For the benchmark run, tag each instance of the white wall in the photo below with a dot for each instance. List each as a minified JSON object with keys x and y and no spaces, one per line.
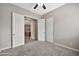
{"x":66,"y":25}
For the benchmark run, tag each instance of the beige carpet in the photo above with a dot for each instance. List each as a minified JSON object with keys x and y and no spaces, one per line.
{"x":39,"y":48}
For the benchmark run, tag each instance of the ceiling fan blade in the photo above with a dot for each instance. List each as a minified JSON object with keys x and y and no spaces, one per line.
{"x":44,"y":7}
{"x":36,"y":6}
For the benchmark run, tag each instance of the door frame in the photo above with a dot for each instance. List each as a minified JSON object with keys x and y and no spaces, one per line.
{"x":36,"y":28}
{"x":12,"y":25}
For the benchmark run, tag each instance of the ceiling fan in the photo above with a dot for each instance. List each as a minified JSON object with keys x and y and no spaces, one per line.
{"x":42,"y":5}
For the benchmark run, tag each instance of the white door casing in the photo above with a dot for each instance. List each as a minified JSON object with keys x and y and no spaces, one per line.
{"x":18,"y":30}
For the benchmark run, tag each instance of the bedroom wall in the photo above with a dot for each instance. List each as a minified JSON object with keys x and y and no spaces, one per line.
{"x":5,"y":22}
{"x":66,"y":25}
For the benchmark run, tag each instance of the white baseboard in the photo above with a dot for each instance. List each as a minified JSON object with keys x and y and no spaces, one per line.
{"x":5,"y":48}
{"x":66,"y":47}
{"x":50,"y":41}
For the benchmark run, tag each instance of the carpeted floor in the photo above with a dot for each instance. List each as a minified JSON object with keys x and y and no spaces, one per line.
{"x":39,"y":48}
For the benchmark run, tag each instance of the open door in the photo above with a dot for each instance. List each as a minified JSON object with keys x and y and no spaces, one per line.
{"x":41,"y":29}
{"x":17,"y":30}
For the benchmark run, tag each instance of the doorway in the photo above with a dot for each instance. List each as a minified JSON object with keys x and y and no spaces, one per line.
{"x":30,"y":29}
{"x":25,"y":29}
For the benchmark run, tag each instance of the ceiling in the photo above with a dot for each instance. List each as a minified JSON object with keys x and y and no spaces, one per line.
{"x":39,"y":10}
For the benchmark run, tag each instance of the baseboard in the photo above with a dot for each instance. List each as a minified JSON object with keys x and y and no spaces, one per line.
{"x":66,"y":47}
{"x":50,"y":41}
{"x":5,"y":48}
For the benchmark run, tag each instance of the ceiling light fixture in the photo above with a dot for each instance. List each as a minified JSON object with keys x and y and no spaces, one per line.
{"x":40,"y":4}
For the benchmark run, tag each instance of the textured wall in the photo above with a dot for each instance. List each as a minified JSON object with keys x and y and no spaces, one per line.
{"x":5,"y":22}
{"x":66,"y":24}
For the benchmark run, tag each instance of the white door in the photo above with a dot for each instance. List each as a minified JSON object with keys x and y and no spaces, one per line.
{"x":41,"y":29}
{"x":18,"y":30}
{"x":49,"y":29}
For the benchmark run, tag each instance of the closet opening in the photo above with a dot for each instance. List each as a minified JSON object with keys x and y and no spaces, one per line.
{"x":30,"y":29}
